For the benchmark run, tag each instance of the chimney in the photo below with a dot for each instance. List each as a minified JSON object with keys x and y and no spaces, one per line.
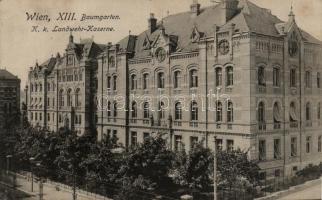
{"x":229,"y":9}
{"x":71,"y":38}
{"x":195,"y":8}
{"x":152,"y":23}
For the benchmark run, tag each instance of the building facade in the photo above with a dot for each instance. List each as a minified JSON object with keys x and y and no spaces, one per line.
{"x":233,"y":70}
{"x":9,"y":99}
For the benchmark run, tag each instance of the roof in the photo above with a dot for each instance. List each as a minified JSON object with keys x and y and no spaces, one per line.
{"x":248,"y":18}
{"x":4,"y":74}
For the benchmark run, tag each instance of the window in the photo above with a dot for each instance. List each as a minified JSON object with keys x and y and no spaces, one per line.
{"x":262,"y":150}
{"x":277,"y":148}
{"x":146,"y":110}
{"x":161,"y":80}
{"x":108,"y":109}
{"x":176,"y":81}
{"x":193,"y":78}
{"x":48,"y":116}
{"x":318,"y":80}
{"x":308,"y":79}
{"x":61,"y":98}
{"x":145,"y":81}
{"x":133,"y":82}
{"x":308,"y":144}
{"x":277,"y":113}
{"x":293,"y":146}
{"x":108,"y":82}
{"x":276,"y":77}
{"x":293,"y":116}
{"x":134,"y":110}
{"x":319,"y":143}
{"x":218,"y":76}
{"x":230,"y":145}
{"x":230,"y":112}
{"x":114,"y":82}
{"x":230,"y":76}
{"x":40,"y":87}
{"x":161,"y":113}
{"x":75,"y":76}
{"x":134,"y":138}
{"x":40,"y":116}
{"x":319,"y":111}
{"x":111,"y":61}
{"x":218,"y":111}
{"x":146,"y":136}
{"x":36,"y":116}
{"x":261,"y":76}
{"x":261,"y":112}
{"x":308,"y":111}
{"x":178,"y":142}
{"x":115,"y":109}
{"x":69,"y":97}
{"x":77,"y":98}
{"x":219,"y":144}
{"x":48,"y":86}
{"x":178,"y":111}
{"x":194,"y":111}
{"x":293,"y":77}
{"x":193,"y":142}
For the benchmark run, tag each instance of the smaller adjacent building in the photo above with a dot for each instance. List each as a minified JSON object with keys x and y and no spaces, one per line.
{"x":9,"y":99}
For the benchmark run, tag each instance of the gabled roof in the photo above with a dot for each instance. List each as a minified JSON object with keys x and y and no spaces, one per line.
{"x":4,"y":74}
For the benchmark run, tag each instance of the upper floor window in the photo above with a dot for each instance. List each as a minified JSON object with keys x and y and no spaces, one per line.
{"x":177,"y":79}
{"x":114,"y":82}
{"x":218,"y":111}
{"x":108,"y":109}
{"x":146,"y":108}
{"x":293,"y":77}
{"x":61,"y":98}
{"x":261,"y":76}
{"x":193,"y":78}
{"x":218,"y":76}
{"x":277,"y":113}
{"x":40,"y":87}
{"x":230,"y":111}
{"x":229,"y":76}
{"x":276,"y":77}
{"x":77,"y":98}
{"x":178,"y":111}
{"x":161,"y":80}
{"x":145,"y":81}
{"x":108,"y":82}
{"x":308,"y":79}
{"x":48,"y":86}
{"x":69,"y":98}
{"x":115,"y":109}
{"x":194,"y":111}
{"x":261,"y":112}
{"x":318,"y":80}
{"x":133,"y":82}
{"x":308,"y":111}
{"x":293,"y":115}
{"x":134,"y":110}
{"x":111,"y":61}
{"x":161,"y":110}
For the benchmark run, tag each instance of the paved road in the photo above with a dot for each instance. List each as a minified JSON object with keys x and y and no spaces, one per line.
{"x":313,"y":192}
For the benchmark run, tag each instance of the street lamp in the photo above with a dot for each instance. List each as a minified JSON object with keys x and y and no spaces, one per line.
{"x":32,"y":159}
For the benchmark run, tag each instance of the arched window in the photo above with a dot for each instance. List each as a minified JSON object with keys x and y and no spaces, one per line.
{"x":276,"y":76}
{"x":261,"y":76}
{"x":230,"y":76}
{"x":69,"y":98}
{"x":161,"y":113}
{"x":61,"y":98}
{"x":108,"y":109}
{"x":114,"y":82}
{"x":134,"y":110}
{"x":161,"y":80}
{"x":293,"y":77}
{"x":146,"y":108}
{"x":293,"y":115}
{"x":261,"y":112}
{"x":193,"y":78}
{"x":218,"y":76}
{"x":176,"y":79}
{"x":318,"y":80}
{"x":276,"y":113}
{"x":145,"y":81}
{"x":219,"y":111}
{"x":108,"y":82}
{"x":308,"y":111}
{"x":194,"y":111}
{"x":77,"y":98}
{"x":178,"y":111}
{"x":133,"y":82}
{"x":115,"y":109}
{"x":230,"y":111}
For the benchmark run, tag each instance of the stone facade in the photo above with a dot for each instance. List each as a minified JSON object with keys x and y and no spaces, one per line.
{"x":233,"y":71}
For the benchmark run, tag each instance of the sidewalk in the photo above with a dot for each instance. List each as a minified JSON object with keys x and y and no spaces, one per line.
{"x":51,"y":193}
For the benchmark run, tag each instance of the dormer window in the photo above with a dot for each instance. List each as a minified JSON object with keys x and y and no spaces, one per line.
{"x":70,"y":59}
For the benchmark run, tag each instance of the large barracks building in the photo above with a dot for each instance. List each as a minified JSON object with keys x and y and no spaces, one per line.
{"x":233,"y":70}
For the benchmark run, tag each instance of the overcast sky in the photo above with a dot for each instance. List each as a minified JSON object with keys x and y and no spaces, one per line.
{"x":20,"y":48}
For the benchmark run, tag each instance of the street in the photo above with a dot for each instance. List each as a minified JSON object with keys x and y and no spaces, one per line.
{"x":313,"y":192}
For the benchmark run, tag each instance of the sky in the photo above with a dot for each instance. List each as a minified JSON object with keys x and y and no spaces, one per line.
{"x":20,"y":48}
